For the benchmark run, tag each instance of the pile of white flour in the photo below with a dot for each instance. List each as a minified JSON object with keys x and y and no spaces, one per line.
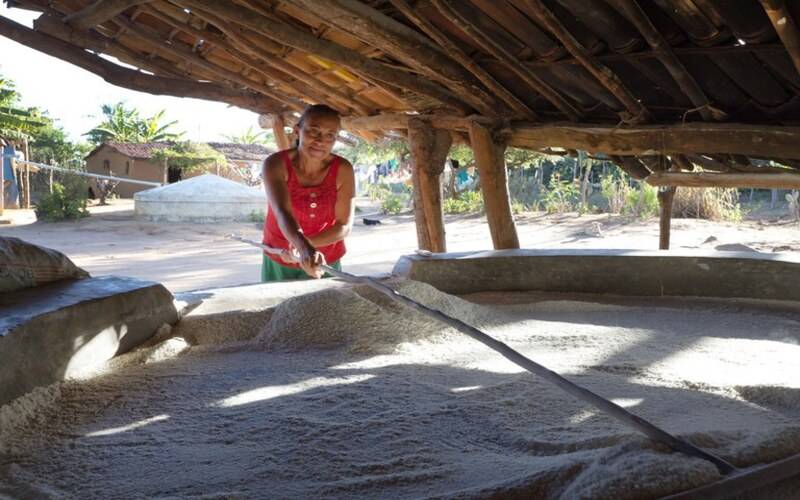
{"x":344,"y":394}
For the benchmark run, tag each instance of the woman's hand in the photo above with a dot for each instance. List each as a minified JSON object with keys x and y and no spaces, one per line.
{"x":310,"y":259}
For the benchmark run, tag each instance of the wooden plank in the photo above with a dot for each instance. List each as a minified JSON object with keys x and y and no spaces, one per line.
{"x":728,"y":180}
{"x":494,"y":185}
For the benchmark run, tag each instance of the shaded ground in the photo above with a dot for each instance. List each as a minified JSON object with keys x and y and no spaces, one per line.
{"x":192,"y":256}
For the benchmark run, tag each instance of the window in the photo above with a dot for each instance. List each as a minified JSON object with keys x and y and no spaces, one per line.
{"x":127,"y":168}
{"x":107,"y":166}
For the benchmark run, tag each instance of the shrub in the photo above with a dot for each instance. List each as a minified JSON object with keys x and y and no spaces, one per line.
{"x":561,"y":196}
{"x":257,"y":216}
{"x":66,"y":202}
{"x":468,"y":202}
{"x":642,"y":202}
{"x":707,"y":203}
{"x":614,"y":192}
{"x":393,"y":203}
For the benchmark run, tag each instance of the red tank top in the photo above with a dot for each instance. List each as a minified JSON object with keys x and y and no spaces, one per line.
{"x":314,"y":209}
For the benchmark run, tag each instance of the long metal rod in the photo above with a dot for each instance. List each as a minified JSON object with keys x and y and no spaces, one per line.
{"x":579,"y":392}
{"x":87,"y":174}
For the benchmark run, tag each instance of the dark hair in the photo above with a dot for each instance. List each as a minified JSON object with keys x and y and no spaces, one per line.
{"x":318,"y":110}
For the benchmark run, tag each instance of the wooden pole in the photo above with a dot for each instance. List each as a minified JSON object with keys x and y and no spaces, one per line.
{"x":279,"y":129}
{"x":27,"y":175}
{"x":3,"y":183}
{"x":494,"y":185}
{"x":665,"y":198}
{"x":785,"y":26}
{"x":429,"y":148}
{"x":732,"y":180}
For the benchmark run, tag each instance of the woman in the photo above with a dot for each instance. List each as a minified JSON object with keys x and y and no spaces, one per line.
{"x":310,"y":192}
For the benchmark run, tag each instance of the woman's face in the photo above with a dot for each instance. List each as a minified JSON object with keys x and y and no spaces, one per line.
{"x":317,"y":135}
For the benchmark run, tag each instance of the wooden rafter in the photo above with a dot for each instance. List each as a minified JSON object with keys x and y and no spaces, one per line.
{"x":509,"y":60}
{"x":459,"y":55}
{"x":305,"y":41}
{"x":132,"y":79}
{"x":186,"y":54}
{"x":401,"y":42}
{"x":99,"y":12}
{"x":259,"y":60}
{"x":786,"y":26}
{"x":638,"y":113}
{"x":634,"y":13}
{"x":92,"y":40}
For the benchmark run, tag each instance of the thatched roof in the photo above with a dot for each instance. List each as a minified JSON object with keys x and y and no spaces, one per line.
{"x":596,"y":65}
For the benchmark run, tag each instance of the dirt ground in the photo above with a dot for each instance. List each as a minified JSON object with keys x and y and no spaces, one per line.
{"x":187,"y":256}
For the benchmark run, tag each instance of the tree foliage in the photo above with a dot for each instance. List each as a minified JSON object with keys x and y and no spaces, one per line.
{"x":17,"y":122}
{"x":123,"y":124}
{"x":189,"y":156}
{"x":252,"y":136}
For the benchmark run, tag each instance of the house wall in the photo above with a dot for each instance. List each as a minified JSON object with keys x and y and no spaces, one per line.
{"x":120,"y":165}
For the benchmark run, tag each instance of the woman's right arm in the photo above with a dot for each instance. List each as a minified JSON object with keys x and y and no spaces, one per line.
{"x":275,"y":176}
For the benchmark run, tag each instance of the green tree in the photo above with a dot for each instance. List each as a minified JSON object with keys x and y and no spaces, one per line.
{"x":17,"y":122}
{"x":122,"y":124}
{"x":251,"y":136}
{"x":51,"y":143}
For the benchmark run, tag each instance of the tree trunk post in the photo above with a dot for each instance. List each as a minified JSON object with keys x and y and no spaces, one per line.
{"x":665,"y":197}
{"x":27,"y":175}
{"x":3,"y":182}
{"x":429,"y":148}
{"x":278,"y":128}
{"x":494,"y":186}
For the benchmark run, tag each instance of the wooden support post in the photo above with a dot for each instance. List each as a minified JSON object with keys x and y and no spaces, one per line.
{"x":665,"y":197}
{"x":429,"y":148}
{"x":494,"y":185}
{"x":279,"y":129}
{"x":3,"y":183}
{"x":27,"y":175}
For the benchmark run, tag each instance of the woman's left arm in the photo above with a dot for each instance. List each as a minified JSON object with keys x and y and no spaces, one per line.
{"x":345,"y":193}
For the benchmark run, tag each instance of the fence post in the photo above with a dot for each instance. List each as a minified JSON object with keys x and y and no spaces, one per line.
{"x":50,"y":179}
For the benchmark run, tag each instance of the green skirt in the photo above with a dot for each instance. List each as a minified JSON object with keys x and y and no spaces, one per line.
{"x":272,"y":271}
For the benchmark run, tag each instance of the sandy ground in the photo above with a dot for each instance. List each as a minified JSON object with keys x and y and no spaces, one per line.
{"x":391,"y":405}
{"x":193,"y":256}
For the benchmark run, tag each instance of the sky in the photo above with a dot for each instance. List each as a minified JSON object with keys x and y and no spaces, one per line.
{"x":73,"y":96}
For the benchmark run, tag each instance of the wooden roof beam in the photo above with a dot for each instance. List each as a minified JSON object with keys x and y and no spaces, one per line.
{"x":488,"y":44}
{"x":638,"y":113}
{"x":94,"y":41}
{"x":725,"y":180}
{"x":634,"y":13}
{"x":786,"y":26}
{"x":132,"y":79}
{"x":462,"y":57}
{"x":100,"y":12}
{"x":405,"y":44}
{"x":186,"y":54}
{"x":307,"y":42}
{"x":308,"y":86}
